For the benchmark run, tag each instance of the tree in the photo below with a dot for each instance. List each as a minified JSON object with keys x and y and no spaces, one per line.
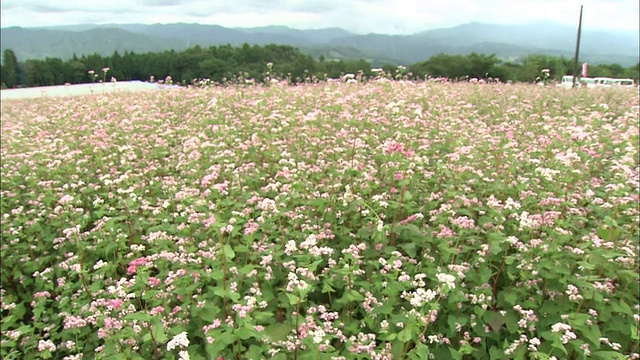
{"x":633,"y":72}
{"x":10,"y":67}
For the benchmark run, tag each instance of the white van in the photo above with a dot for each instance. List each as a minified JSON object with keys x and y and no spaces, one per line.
{"x":601,"y":81}
{"x":567,"y":81}
{"x":588,"y":82}
{"x":623,"y":82}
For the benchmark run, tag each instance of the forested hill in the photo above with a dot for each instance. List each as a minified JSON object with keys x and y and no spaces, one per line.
{"x":235,"y":64}
{"x":513,"y":42}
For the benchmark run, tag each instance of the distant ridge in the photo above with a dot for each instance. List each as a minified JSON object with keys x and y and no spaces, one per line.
{"x":506,"y":41}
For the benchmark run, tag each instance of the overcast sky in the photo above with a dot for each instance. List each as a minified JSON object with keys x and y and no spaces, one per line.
{"x":359,"y":16}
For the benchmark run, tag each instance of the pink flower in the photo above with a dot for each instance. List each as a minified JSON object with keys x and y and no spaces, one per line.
{"x":157,"y":310}
{"x":409,"y":219}
{"x":133,"y":266}
{"x":251,"y":227}
{"x":207,"y":223}
{"x":115,"y":303}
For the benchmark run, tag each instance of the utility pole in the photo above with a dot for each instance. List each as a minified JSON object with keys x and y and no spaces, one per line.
{"x":575,"y":64}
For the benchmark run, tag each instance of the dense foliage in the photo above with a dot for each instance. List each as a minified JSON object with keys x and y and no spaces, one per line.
{"x":227,"y":63}
{"x":386,"y":220}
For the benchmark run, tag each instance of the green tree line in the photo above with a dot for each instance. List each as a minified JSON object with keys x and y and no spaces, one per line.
{"x":227,"y":63}
{"x":482,"y":66}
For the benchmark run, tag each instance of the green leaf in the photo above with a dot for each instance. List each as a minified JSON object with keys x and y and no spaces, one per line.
{"x":410,"y":232}
{"x":225,"y":338}
{"x":422,"y":351}
{"x":621,"y":307}
{"x":254,"y":353}
{"x":326,"y":286}
{"x":455,"y":355}
{"x":262,"y":316}
{"x":496,"y":353}
{"x":607,"y":355}
{"x":278,"y":331}
{"x":157,"y":329}
{"x":118,"y":356}
{"x":208,"y":314}
{"x":228,"y":252}
{"x":293,"y":299}
{"x":510,"y":298}
{"x":511,"y":320}
{"x":404,"y":335}
{"x":138,"y":316}
{"x":353,"y":295}
{"x":244,"y":333}
{"x":495,"y":248}
{"x":495,"y":320}
{"x":591,"y":333}
{"x":409,"y":249}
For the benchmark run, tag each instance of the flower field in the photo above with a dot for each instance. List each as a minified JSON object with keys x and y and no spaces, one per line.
{"x":386,"y":220}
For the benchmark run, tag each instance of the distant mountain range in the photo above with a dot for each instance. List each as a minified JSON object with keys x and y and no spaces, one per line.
{"x":509,"y":42}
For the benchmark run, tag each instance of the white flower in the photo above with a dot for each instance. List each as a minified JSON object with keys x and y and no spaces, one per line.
{"x":178,"y":340}
{"x":511,"y":204}
{"x":66,"y":199}
{"x":380,"y":225}
{"x":558,"y":327}
{"x":99,"y":264}
{"x":422,"y":296}
{"x":318,"y":335}
{"x":184,"y":355}
{"x":290,"y":247}
{"x":46,"y":345}
{"x":447,"y":279}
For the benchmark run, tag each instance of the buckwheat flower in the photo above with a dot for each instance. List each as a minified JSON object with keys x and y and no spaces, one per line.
{"x":533,"y":344}
{"x":157,"y":310}
{"x":47,"y":345}
{"x":568,"y":336}
{"x":66,"y":199}
{"x":180,"y":340}
{"x":380,"y":227}
{"x":447,"y":279}
{"x":100,"y":264}
{"x":290,"y":247}
{"x":183,"y":355}
{"x":13,"y":334}
{"x":511,"y":204}
{"x":273,"y":352}
{"x":73,"y":357}
{"x":318,"y":335}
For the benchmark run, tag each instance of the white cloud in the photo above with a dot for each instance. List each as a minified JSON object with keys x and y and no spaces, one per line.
{"x":361,"y":16}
